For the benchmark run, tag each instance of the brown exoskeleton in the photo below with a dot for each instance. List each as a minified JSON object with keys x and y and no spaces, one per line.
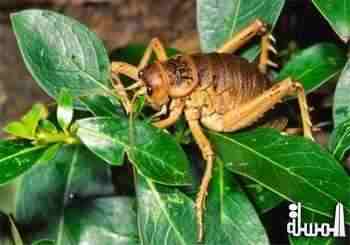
{"x":220,"y":91}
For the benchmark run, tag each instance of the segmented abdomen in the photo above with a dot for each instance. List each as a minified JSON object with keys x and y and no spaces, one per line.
{"x":226,"y":72}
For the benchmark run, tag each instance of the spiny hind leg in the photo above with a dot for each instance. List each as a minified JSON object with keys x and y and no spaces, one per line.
{"x":266,"y":46}
{"x":257,"y":27}
{"x":192,"y":117}
{"x":244,"y":36}
{"x":250,"y":112}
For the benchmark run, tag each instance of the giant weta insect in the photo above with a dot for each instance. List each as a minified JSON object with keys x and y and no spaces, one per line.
{"x":221,"y":91}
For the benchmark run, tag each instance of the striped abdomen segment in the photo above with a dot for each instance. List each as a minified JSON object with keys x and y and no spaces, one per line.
{"x":226,"y":72}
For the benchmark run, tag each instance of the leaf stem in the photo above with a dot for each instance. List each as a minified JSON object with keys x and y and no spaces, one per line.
{"x":44,"y":138}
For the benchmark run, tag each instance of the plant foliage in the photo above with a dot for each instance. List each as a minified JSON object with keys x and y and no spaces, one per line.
{"x":64,"y":163}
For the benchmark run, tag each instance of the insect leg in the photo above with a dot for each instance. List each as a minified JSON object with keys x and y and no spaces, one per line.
{"x":250,"y":112}
{"x":176,"y":109}
{"x":129,"y":71}
{"x":125,"y":69}
{"x":133,"y":72}
{"x":266,"y":47}
{"x":121,"y":93}
{"x":192,"y":117}
{"x":244,"y":36}
{"x":154,"y":46}
{"x":305,"y":117}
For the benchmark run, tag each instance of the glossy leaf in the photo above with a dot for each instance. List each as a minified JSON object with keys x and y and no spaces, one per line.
{"x":336,"y":13}
{"x":218,"y":21}
{"x":230,"y":217}
{"x":107,"y":137}
{"x":16,"y":158}
{"x":107,"y":221}
{"x":26,"y":128}
{"x":293,"y":167}
{"x":64,"y":109}
{"x":50,"y":153}
{"x":310,"y":217}
{"x":48,"y":187}
{"x":315,"y":65}
{"x":341,"y":106}
{"x":339,"y":143}
{"x":154,"y":152}
{"x":264,"y":200}
{"x":61,"y":53}
{"x":165,"y":215}
{"x":102,"y":106}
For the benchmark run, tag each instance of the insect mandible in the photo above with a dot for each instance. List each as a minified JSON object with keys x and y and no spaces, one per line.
{"x":220,"y":91}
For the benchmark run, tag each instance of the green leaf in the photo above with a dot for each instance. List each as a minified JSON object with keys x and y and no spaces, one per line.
{"x":48,"y":187}
{"x":293,"y":167}
{"x":7,"y":193}
{"x":339,"y":143}
{"x":310,"y":217}
{"x":315,"y":65}
{"x":50,"y":153}
{"x":337,"y":15}
{"x":107,"y":137}
{"x":107,"y":221}
{"x":218,"y":21}
{"x":103,"y":106}
{"x":165,"y":215}
{"x":47,"y":127}
{"x":64,"y":109}
{"x":26,"y":128}
{"x":264,"y":200}
{"x":230,"y":217}
{"x":19,"y":130}
{"x":33,"y":117}
{"x":16,"y":158}
{"x":61,"y":53}
{"x":154,"y":153}
{"x":341,"y":107}
{"x":44,"y":242}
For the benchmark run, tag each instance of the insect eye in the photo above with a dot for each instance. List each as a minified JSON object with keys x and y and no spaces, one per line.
{"x":140,"y":74}
{"x":149,"y":90}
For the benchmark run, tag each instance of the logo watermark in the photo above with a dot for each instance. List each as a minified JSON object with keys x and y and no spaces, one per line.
{"x":297,"y":228}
